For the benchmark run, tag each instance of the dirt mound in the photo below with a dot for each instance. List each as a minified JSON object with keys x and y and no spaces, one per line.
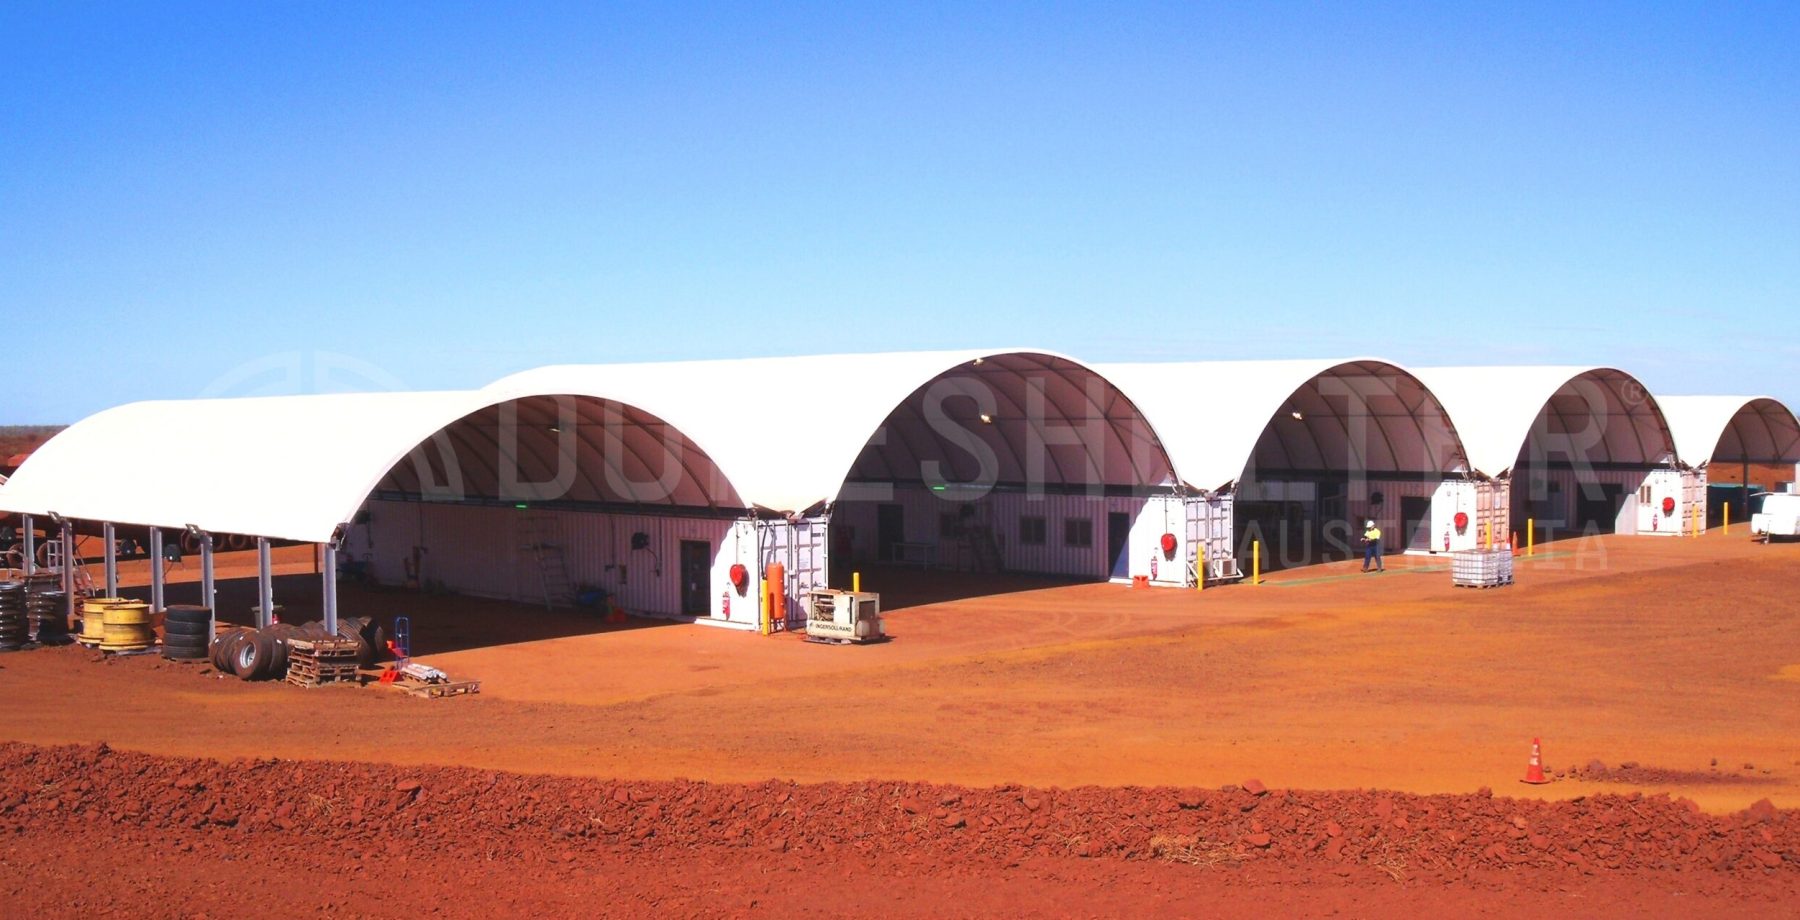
{"x":510,"y":816}
{"x":1635,"y":774}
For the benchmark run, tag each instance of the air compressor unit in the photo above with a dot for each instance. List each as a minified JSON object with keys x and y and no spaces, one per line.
{"x":843,"y":616}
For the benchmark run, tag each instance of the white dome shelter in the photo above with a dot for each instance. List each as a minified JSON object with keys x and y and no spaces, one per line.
{"x":1304,"y":451}
{"x":1581,"y":450}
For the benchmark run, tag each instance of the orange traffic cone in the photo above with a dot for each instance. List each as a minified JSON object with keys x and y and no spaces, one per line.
{"x":1534,"y":769}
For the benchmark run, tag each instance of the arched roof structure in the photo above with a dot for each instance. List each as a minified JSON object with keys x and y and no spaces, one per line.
{"x":792,"y":431}
{"x":295,"y":467}
{"x":1602,"y":413}
{"x":1220,"y":419}
{"x":1744,"y":429}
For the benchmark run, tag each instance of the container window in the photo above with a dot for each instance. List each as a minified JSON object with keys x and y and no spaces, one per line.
{"x":1031,"y":531}
{"x":1078,"y":532}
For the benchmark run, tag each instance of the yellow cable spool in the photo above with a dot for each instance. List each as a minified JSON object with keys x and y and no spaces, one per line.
{"x":93,"y":613}
{"x":126,"y":627}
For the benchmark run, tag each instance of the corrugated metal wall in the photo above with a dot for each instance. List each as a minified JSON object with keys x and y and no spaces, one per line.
{"x":483,"y":551}
{"x":1303,"y":521}
{"x":1550,"y":498}
{"x":923,"y":517}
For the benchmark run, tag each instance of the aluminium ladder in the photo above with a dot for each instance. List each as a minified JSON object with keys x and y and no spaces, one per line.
{"x":539,"y":536}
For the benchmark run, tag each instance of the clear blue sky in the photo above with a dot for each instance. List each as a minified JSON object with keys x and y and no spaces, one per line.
{"x":243,"y":197}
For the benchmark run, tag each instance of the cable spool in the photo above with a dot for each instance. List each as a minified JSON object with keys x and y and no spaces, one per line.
{"x":14,"y":630}
{"x":93,"y":614}
{"x":47,"y":612}
{"x":126,"y":627}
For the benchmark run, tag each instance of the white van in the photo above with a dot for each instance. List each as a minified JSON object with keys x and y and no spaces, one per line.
{"x":1779,"y":517}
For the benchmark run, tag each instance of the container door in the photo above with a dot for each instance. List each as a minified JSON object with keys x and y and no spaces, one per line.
{"x":1118,"y":541}
{"x":696,"y":577}
{"x":1415,"y":522}
{"x":801,"y":547}
{"x":1599,"y":513}
{"x":890,"y":529}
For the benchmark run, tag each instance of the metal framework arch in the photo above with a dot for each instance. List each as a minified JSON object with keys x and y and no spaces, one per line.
{"x":1737,"y":429}
{"x":1128,"y":453}
{"x":1506,"y":412}
{"x":1224,"y":420}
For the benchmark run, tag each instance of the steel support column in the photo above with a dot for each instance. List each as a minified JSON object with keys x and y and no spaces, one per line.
{"x":30,"y":544}
{"x":265,"y":585}
{"x":208,"y":597}
{"x":67,"y":536}
{"x":112,"y":559}
{"x":156,"y":570}
{"x":329,"y":574}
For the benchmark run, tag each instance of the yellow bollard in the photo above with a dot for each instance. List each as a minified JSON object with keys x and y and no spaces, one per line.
{"x":1200,"y":572}
{"x":1728,"y":519}
{"x":1531,"y":536}
{"x":762,"y":617}
{"x":1490,"y":535}
{"x":1256,"y":562}
{"x":856,"y":582}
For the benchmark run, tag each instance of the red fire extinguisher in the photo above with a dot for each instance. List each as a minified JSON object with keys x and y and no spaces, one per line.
{"x":1153,"y":568}
{"x":725,"y":603}
{"x":1446,"y":539}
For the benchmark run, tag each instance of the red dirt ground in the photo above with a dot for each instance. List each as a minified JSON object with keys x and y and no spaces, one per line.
{"x":278,"y":837}
{"x":897,"y":780}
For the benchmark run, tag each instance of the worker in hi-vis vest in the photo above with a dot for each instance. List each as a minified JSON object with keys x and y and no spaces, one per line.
{"x":1372,"y":547}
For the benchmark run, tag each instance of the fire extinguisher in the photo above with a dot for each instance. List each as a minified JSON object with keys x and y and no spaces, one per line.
{"x":1153,"y":568}
{"x":1446,"y":539}
{"x":725,"y":603}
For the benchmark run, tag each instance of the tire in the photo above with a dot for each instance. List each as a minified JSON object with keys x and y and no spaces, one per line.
{"x":180,"y":628}
{"x":280,"y":633}
{"x":358,"y":628}
{"x":252,"y":657}
{"x":182,"y":651}
{"x":224,"y":644}
{"x":377,"y":646}
{"x":187,"y":613}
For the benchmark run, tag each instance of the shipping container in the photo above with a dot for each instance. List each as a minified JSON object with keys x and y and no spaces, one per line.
{"x":1564,"y":501}
{"x":657,"y":565}
{"x":1071,"y":535}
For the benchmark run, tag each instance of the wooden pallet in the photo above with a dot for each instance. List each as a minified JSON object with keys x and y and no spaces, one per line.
{"x":322,"y":649}
{"x":447,"y":688}
{"x":316,"y":662}
{"x":306,"y":673}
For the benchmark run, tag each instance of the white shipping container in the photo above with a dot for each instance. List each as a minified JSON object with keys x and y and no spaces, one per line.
{"x":1553,"y":497}
{"x":485,"y":551}
{"x":1049,"y":534}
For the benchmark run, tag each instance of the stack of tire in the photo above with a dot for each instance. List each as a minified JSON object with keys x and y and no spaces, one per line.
{"x":47,"y":609}
{"x":187,"y":632}
{"x":14,"y":630}
{"x":261,"y":654}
